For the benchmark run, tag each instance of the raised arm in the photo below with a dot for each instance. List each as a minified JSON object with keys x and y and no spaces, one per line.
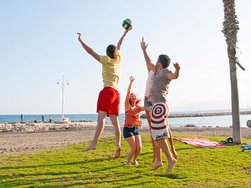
{"x":174,"y":75}
{"x":122,"y":38}
{"x":149,"y":64}
{"x":87,"y":48}
{"x":127,"y":104}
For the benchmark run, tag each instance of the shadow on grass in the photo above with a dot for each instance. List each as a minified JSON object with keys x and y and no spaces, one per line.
{"x":55,"y":164}
{"x":106,"y":169}
{"x":59,"y":178}
{"x":72,"y":178}
{"x":14,"y":179}
{"x":172,"y":176}
{"x":102,"y":183}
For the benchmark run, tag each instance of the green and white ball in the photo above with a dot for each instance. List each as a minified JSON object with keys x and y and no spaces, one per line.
{"x":127,"y":23}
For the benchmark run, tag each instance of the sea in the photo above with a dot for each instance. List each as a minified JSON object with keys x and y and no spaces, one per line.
{"x":212,"y":121}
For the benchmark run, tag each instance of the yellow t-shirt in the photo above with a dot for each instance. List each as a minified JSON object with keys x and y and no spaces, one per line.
{"x":110,"y":70}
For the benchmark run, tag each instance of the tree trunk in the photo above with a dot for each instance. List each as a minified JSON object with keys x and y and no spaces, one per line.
{"x":235,"y":101}
{"x":230,"y":29}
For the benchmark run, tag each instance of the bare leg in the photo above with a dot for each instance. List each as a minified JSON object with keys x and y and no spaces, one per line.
{"x":148,"y":117}
{"x":138,"y":148}
{"x":156,"y":149}
{"x":99,"y":130}
{"x":115,"y":122}
{"x":131,"y":141}
{"x":157,"y":159}
{"x":171,"y":160}
{"x":170,"y":139}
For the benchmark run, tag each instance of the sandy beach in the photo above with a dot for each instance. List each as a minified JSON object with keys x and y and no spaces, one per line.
{"x":71,"y":134}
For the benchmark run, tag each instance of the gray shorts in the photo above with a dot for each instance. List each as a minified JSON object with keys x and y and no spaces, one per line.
{"x":147,"y":104}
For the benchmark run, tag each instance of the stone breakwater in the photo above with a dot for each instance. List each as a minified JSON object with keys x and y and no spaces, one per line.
{"x":181,"y":115}
{"x":43,"y":127}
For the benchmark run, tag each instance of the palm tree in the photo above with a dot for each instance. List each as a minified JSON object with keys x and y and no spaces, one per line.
{"x":230,"y":29}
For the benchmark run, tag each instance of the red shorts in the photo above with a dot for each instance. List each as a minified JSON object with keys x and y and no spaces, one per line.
{"x":108,"y":101}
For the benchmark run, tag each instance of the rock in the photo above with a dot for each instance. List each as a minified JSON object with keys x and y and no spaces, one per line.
{"x":249,"y":123}
{"x":190,"y":125}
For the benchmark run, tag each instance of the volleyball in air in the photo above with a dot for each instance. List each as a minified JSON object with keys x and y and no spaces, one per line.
{"x":127,"y":23}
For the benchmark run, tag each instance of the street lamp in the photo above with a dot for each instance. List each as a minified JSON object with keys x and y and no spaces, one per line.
{"x":62,"y":84}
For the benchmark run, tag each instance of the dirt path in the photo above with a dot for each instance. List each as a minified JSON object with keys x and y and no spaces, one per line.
{"x":18,"y":142}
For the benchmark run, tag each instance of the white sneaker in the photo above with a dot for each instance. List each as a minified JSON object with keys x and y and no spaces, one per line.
{"x":128,"y":164}
{"x":136,"y":163}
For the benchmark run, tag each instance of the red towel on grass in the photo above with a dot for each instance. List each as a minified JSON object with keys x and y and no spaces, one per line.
{"x":201,"y":142}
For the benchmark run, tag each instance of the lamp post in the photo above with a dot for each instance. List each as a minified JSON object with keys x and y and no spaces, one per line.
{"x":62,"y":84}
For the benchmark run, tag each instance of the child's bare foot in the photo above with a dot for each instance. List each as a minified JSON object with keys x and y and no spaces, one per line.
{"x":117,"y":153}
{"x":90,"y":147}
{"x":171,"y":165}
{"x":156,"y":165}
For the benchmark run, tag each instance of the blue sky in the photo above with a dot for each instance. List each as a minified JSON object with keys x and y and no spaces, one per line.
{"x":39,"y":44}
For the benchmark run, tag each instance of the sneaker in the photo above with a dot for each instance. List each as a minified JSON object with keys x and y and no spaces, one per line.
{"x":128,"y":164}
{"x":136,"y":163}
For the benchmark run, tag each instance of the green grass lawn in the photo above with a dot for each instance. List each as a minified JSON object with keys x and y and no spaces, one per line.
{"x":69,"y":167}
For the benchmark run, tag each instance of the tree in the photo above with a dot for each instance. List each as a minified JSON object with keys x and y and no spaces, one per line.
{"x":230,"y":29}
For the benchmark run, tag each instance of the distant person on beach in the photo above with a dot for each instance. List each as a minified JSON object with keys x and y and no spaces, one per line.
{"x":157,"y":104}
{"x":132,"y":123}
{"x":22,"y":117}
{"x":50,"y":119}
{"x":42,"y":118}
{"x":109,"y":97}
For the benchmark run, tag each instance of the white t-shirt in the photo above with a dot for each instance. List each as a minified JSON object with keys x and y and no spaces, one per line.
{"x":149,"y":83}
